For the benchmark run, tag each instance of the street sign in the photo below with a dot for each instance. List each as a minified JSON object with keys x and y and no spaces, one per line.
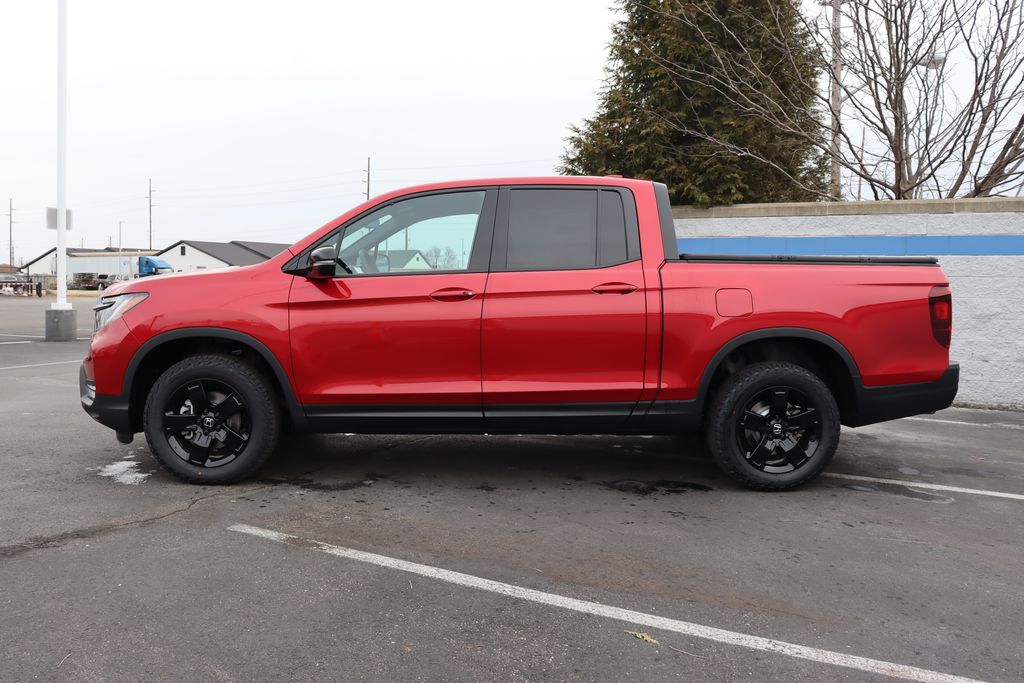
{"x":51,"y":218}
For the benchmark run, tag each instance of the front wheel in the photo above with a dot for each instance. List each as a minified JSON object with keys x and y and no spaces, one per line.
{"x":211,"y":419}
{"x":773,"y":426}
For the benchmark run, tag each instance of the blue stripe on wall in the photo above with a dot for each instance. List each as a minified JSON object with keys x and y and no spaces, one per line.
{"x":859,"y":245}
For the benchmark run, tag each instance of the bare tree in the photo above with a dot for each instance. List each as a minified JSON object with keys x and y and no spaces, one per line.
{"x":932,"y":91}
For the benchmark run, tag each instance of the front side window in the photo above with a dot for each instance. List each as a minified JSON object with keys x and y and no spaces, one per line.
{"x":418,"y":235}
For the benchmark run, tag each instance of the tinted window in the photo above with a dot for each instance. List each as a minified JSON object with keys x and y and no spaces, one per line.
{"x":552,"y":229}
{"x":611,"y":229}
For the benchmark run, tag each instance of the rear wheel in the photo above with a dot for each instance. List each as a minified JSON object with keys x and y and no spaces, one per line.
{"x":211,"y":419}
{"x":773,"y":426}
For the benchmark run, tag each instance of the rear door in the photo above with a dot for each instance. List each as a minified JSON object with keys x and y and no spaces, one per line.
{"x":563,"y":331}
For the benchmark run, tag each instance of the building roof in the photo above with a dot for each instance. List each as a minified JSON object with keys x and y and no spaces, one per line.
{"x":233,"y":253}
{"x":266,"y":249}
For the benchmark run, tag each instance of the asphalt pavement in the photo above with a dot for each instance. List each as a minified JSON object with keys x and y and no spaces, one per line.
{"x":515,"y":558}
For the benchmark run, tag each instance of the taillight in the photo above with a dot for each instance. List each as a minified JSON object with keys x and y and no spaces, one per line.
{"x":940,"y":307}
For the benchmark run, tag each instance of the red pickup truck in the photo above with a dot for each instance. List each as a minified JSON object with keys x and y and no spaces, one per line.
{"x":520,"y":305}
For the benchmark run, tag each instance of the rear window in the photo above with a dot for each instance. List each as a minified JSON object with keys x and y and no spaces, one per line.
{"x":566,"y":229}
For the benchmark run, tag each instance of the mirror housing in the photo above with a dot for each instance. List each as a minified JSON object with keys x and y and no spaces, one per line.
{"x":321,"y":263}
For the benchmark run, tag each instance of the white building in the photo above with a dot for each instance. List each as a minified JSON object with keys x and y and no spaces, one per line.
{"x":189,"y":256}
{"x":109,"y":261}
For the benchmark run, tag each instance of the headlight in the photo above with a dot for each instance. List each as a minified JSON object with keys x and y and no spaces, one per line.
{"x":110,"y":308}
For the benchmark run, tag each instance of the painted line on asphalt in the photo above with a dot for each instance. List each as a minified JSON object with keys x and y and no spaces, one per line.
{"x":1000,"y":425}
{"x":39,"y":365}
{"x":39,"y":336}
{"x":925,"y":485}
{"x":736,"y":638}
{"x":24,"y":341}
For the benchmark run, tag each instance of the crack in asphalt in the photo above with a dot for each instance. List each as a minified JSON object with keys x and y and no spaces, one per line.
{"x":13,"y":550}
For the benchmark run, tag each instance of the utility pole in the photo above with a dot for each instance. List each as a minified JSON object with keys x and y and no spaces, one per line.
{"x":110,"y":241}
{"x":367,"y":181}
{"x":837,"y":67}
{"x":120,"y":249}
{"x":10,"y":228}
{"x":150,"y":198}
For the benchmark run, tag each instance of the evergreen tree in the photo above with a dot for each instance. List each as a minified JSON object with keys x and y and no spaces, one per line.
{"x":648,"y":117}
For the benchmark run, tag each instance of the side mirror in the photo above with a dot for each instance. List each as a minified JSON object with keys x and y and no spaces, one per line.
{"x":321,"y":263}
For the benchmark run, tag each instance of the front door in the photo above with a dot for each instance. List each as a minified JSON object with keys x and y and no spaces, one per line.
{"x":397,"y":331}
{"x":564,"y":312}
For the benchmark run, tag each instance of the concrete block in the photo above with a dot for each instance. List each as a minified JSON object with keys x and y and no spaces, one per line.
{"x":61,"y":325}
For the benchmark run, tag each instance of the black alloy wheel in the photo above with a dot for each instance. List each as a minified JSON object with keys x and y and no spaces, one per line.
{"x":779,"y":430}
{"x":206,"y":423}
{"x":773,"y":425}
{"x":212,"y":419}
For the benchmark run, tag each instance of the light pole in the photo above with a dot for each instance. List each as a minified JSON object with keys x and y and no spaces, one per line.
{"x":61,"y":322}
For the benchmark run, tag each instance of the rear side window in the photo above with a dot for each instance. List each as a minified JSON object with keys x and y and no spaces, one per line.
{"x":552,"y":229}
{"x":611,"y":229}
{"x":569,"y":229}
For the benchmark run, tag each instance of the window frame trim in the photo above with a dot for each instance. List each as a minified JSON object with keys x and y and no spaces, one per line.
{"x":499,"y":243}
{"x":479,"y":254}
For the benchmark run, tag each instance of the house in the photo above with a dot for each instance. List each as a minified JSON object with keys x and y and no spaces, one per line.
{"x":407,"y":259}
{"x":188,"y":256}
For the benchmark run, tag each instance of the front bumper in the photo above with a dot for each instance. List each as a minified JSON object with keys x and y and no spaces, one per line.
{"x":107,"y":409}
{"x":878,"y":404}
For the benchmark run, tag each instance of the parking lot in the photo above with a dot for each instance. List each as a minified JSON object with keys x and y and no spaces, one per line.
{"x":498,"y":558}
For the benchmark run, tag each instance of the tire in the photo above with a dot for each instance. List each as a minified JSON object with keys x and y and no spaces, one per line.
{"x":773,"y":426}
{"x":99,"y":287}
{"x":236,"y":428}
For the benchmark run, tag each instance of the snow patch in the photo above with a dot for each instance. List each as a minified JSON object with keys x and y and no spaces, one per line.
{"x":123,"y":472}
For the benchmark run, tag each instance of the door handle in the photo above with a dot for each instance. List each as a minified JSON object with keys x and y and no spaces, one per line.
{"x":615,"y":288}
{"x":453,"y":294}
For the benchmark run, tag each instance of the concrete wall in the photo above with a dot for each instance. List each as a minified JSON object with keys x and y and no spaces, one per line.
{"x":979,"y":243}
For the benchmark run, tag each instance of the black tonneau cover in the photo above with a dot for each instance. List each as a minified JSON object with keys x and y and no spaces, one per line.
{"x":814,"y":260}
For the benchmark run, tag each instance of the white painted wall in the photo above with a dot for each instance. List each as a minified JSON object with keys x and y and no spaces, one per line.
{"x":193,"y":260}
{"x":988,"y":291}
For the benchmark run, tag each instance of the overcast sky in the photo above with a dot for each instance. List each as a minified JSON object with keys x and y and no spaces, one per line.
{"x":254,"y":119}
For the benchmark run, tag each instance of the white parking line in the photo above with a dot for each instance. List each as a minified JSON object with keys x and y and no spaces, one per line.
{"x":925,"y":485}
{"x":813,"y":654}
{"x":1000,"y":425}
{"x":16,"y":342}
{"x":39,"y":365}
{"x":39,"y":336}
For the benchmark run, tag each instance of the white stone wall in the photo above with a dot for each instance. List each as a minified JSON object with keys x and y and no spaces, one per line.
{"x":988,"y":328}
{"x":988,"y":291}
{"x":1002,"y":223}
